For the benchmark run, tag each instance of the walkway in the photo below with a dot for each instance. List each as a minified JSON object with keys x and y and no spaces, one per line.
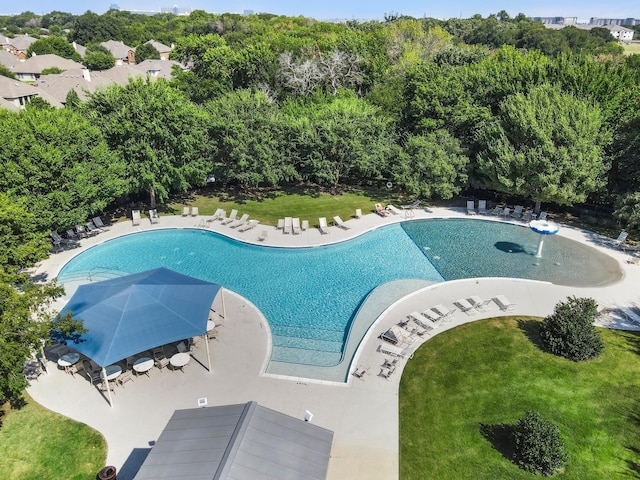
{"x":362,"y":413}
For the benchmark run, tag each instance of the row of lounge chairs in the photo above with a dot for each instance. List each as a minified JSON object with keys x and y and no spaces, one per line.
{"x":91,"y":228}
{"x":518,"y":212}
{"x":242,"y":224}
{"x":292,"y":225}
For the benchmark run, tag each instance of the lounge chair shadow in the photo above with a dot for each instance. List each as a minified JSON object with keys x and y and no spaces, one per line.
{"x":501,"y":438}
{"x":531,"y":329}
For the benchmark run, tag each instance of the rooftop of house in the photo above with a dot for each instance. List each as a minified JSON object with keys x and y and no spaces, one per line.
{"x":38,"y":63}
{"x":117,"y":48}
{"x":161,"y":47}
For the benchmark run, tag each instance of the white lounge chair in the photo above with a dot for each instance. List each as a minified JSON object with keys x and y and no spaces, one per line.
{"x":153,"y":216}
{"x":465,"y":307}
{"x":471,"y":207}
{"x":392,"y":350}
{"x":482,"y":207}
{"x":280,"y":224}
{"x":431,"y":315}
{"x":305,"y":225}
{"x":135,"y":217}
{"x":504,"y":304}
{"x":242,"y":221}
{"x":479,"y":304}
{"x":263,"y":236}
{"x":219,"y":212}
{"x":195,"y":212}
{"x":394,"y":335}
{"x":412,"y":205}
{"x":338,"y":221}
{"x":517,"y":212}
{"x":295,"y":226}
{"x":288,"y":223}
{"x":358,"y":213}
{"x":232,"y":217}
{"x":618,"y":242}
{"x":185,"y":211}
{"x":421,"y":320}
{"x":322,"y":225}
{"x":444,"y":312}
{"x":222,"y":216}
{"x":392,"y":209}
{"x":248,"y":226}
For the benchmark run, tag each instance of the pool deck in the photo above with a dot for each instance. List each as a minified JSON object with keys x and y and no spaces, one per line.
{"x":362,"y":413}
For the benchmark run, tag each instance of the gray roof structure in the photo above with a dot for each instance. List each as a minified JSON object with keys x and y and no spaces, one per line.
{"x":160,"y":47}
{"x":157,"y":68}
{"x":238,"y":442}
{"x":38,"y":63}
{"x":22,"y":42}
{"x":117,"y":48}
{"x":10,"y":89}
{"x":9,"y":60}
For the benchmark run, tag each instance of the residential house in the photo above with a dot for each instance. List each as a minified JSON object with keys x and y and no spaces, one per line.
{"x":121,"y":52}
{"x":30,"y":70}
{"x":157,"y":68}
{"x":14,"y":94}
{"x":82,"y":50}
{"x":623,"y":34}
{"x":162,"y":49}
{"x":9,"y":60}
{"x":19,"y":45}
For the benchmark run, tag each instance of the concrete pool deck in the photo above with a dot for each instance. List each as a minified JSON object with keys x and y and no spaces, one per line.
{"x":362,"y":413}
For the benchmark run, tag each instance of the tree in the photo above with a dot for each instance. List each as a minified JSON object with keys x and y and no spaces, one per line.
{"x":628,"y":211}
{"x":545,"y":145}
{"x":538,"y":447}
{"x":146,"y":51}
{"x":6,"y":72}
{"x":156,"y":132}
{"x":56,"y":45}
{"x":432,"y":164}
{"x":569,"y":330}
{"x":96,"y":60}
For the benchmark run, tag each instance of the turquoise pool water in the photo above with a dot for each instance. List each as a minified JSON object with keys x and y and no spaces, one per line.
{"x":310,"y":295}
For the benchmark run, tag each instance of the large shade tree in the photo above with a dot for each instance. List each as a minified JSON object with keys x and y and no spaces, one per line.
{"x":545,"y":145}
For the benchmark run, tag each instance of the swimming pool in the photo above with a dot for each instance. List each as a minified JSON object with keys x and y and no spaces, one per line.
{"x":310,"y":295}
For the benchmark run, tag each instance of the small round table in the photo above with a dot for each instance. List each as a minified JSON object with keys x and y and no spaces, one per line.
{"x":68,"y":359}
{"x":179,"y":360}
{"x":143,"y":365}
{"x":113,"y":372}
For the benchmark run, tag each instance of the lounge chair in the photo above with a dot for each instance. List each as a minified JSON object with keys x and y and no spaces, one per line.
{"x":465,"y":307}
{"x":385,"y":373}
{"x":504,"y":304}
{"x":97,"y":221}
{"x":423,"y":321}
{"x":338,"y":221}
{"x":380,"y":210}
{"x":305,"y":225}
{"x":295,"y":226}
{"x":479,"y":304}
{"x":222,"y":216}
{"x":392,"y":350}
{"x":506,"y":212}
{"x":71,"y":235}
{"x":153,"y":216}
{"x":263,"y":236}
{"x":392,"y":209}
{"x":412,"y":205}
{"x":528,"y":216}
{"x":280,"y":225}
{"x":56,"y":240}
{"x":358,"y":213}
{"x":91,"y":228}
{"x":359,"y":372}
{"x":231,"y":218}
{"x":83,"y":232}
{"x":241,"y":222}
{"x":195,"y":212}
{"x":496,"y":211}
{"x":517,"y":212}
{"x":185,"y":211}
{"x":471,"y":207}
{"x":396,"y":336}
{"x":288,"y":223}
{"x":135,"y":217}
{"x":429,"y":314}
{"x":618,"y":242}
{"x":248,"y":226}
{"x":218,"y":213}
{"x":443,"y":311}
{"x":482,"y":207}
{"x":322,"y":225}
{"x":542,"y":216}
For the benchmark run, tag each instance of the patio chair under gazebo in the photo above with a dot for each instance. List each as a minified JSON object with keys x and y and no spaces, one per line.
{"x":128,"y":315}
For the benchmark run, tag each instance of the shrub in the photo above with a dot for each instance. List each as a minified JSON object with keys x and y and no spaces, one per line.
{"x":569,"y":331}
{"x":538,"y":447}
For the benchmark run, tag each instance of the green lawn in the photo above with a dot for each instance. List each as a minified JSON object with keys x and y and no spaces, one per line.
{"x":305,"y":205}
{"x":37,"y":444}
{"x":632,"y":48}
{"x":491,"y":372}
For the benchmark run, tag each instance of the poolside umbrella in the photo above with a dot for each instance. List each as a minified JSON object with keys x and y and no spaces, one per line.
{"x":128,"y":315}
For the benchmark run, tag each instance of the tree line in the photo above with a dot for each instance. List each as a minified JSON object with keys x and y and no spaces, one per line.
{"x":273,"y":101}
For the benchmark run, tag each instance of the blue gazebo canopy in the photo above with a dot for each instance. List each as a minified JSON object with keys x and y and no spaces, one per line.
{"x":128,"y":315}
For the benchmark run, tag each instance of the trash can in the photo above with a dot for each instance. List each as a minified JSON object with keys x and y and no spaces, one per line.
{"x":107,"y":473}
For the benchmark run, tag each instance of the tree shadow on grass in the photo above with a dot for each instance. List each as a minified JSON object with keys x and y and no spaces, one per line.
{"x":634,"y":465}
{"x":531,"y":329}
{"x":501,"y":438}
{"x":633,"y":339}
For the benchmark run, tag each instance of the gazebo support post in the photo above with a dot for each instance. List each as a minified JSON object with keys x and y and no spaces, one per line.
{"x":106,"y":383}
{"x":206,"y":342}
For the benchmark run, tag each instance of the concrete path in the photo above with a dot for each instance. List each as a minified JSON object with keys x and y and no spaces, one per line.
{"x":362,"y":413}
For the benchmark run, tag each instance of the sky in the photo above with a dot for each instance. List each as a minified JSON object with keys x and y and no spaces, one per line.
{"x":362,"y":9}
